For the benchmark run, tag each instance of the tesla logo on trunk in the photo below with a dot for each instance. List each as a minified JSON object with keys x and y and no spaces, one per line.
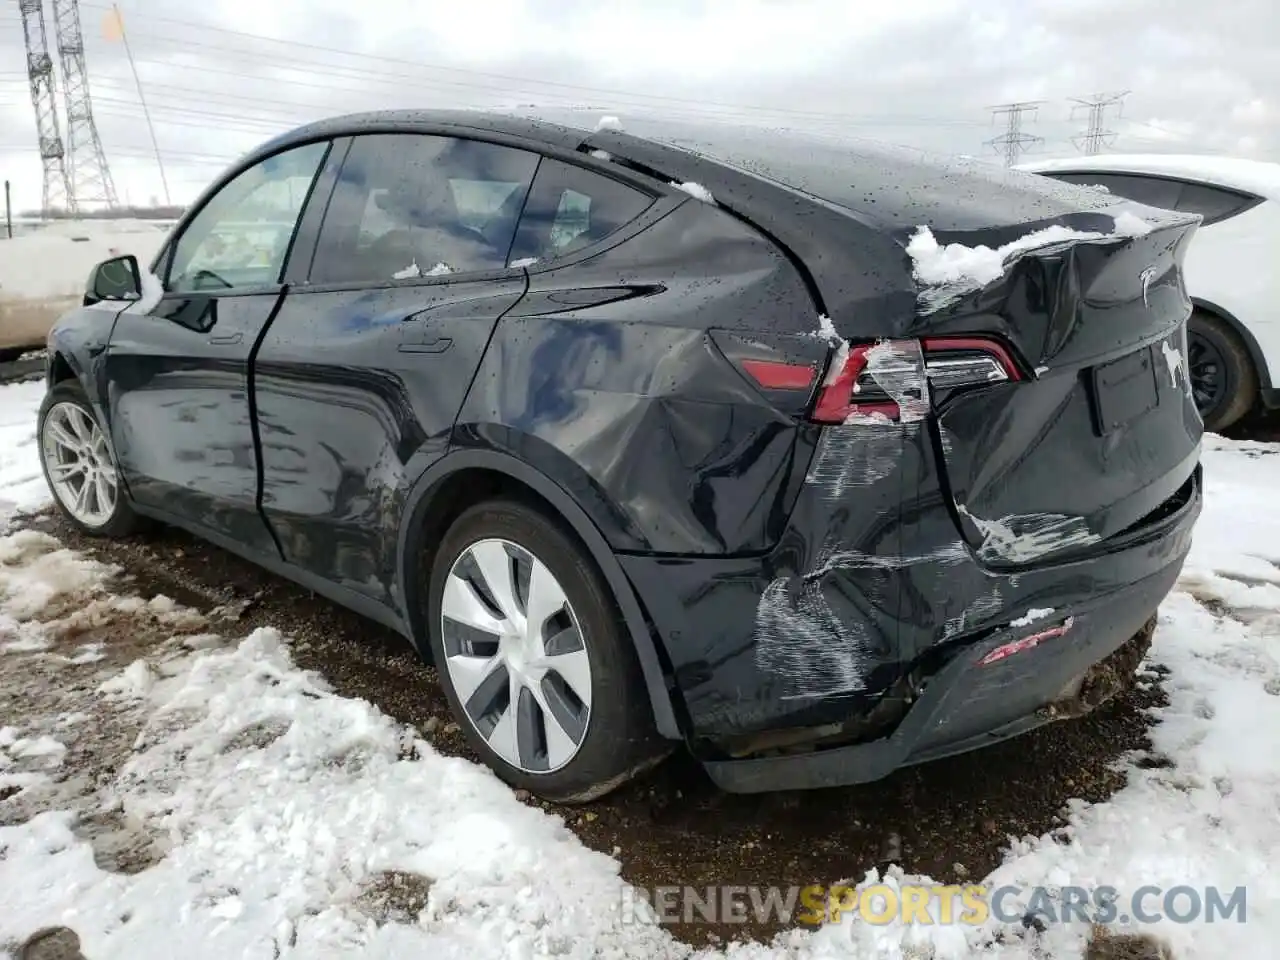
{"x":1146,"y":277}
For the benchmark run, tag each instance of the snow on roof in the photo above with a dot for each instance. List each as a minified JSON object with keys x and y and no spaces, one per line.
{"x":1253,"y":176}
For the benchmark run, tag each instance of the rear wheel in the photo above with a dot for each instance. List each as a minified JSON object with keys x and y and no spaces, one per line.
{"x":533,"y":657}
{"x":79,"y":465}
{"x":1224,"y":383}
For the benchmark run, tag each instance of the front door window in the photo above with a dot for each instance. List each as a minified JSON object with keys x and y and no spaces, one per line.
{"x":241,"y":238}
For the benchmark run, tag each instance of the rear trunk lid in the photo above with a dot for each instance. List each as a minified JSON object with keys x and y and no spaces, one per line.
{"x":1095,"y":428}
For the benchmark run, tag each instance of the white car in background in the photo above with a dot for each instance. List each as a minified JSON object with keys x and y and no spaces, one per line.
{"x":1231,"y":266}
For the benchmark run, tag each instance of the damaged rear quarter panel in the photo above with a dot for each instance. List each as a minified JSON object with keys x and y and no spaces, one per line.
{"x":605,"y":378}
{"x":814,"y":632}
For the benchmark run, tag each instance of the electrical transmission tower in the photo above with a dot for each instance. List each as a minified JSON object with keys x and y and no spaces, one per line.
{"x":1095,"y":137}
{"x":87,"y":163}
{"x":57,"y":188}
{"x":1013,"y":142}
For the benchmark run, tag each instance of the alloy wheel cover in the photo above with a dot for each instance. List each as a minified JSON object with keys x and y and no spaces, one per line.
{"x":516,"y":655}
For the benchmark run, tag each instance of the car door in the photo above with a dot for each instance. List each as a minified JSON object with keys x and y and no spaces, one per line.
{"x":359,"y":379}
{"x":177,"y":370}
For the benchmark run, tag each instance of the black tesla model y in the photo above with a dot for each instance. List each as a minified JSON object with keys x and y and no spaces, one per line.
{"x":666,"y":434}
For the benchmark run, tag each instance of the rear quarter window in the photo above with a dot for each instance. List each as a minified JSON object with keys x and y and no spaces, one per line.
{"x":570,"y":208}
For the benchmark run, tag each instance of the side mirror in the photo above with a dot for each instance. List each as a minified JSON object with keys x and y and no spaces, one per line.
{"x":119,"y":278}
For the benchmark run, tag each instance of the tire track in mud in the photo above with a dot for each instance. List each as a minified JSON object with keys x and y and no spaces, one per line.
{"x":950,"y":819}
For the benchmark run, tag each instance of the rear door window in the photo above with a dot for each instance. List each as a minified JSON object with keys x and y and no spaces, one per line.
{"x":412,"y":205}
{"x":569,"y":208}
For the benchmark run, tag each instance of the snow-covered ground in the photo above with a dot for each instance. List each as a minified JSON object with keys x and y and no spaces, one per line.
{"x":254,"y":813}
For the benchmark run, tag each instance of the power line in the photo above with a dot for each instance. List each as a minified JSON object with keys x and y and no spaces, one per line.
{"x":381,"y":74}
{"x":117,"y":21}
{"x":140,"y":151}
{"x":1095,"y":136}
{"x":1013,"y":142}
{"x":286,"y":112}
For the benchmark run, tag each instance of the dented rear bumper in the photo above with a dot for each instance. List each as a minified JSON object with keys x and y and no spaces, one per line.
{"x":872,"y":605}
{"x":969,"y":705}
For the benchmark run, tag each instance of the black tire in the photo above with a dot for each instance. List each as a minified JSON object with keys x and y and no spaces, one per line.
{"x":122,"y":521}
{"x":620,"y":740}
{"x":1226,"y":385}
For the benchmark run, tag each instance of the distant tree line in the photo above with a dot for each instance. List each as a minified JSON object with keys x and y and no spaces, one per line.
{"x":119,"y":213}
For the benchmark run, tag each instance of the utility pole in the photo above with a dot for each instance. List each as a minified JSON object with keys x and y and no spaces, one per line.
{"x":57,"y":188}
{"x":8,"y":211}
{"x":1095,"y":137}
{"x":1013,"y":142}
{"x":87,"y":162}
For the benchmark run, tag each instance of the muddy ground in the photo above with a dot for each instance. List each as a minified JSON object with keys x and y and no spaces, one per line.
{"x":949,"y":819}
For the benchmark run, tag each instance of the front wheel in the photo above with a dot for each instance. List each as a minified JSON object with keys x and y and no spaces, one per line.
{"x":533,"y":657}
{"x":79,"y":465}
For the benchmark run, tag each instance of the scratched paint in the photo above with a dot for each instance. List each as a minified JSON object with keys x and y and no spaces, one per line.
{"x":948,"y":440}
{"x":979,"y":609}
{"x":897,"y":366}
{"x":1024,"y":537}
{"x":801,"y":641}
{"x":852,"y":457}
{"x":855,"y":559}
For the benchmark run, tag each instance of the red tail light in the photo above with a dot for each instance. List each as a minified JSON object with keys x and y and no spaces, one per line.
{"x":860,"y":387}
{"x":773,"y":375}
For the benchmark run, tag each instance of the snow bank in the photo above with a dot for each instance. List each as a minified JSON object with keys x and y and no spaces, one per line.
{"x":22,"y":485}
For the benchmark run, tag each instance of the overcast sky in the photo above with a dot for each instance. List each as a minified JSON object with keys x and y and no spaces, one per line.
{"x":1203,"y":77}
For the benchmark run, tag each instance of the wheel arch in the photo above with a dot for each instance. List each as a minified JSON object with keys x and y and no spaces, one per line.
{"x":65,"y":363}
{"x":467,"y":476}
{"x":60,"y":369}
{"x":1256,"y":356}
